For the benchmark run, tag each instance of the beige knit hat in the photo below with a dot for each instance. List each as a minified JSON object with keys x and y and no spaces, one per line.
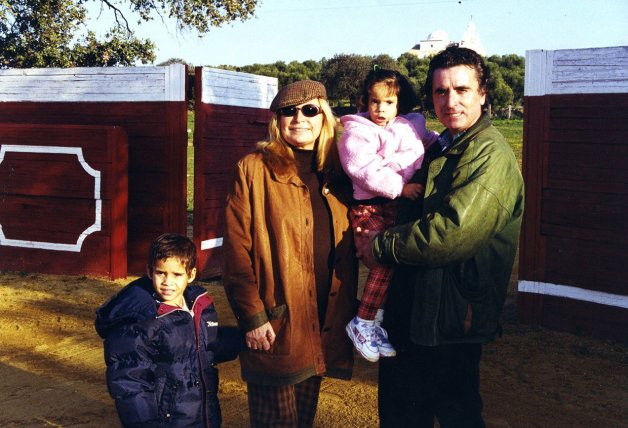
{"x":297,"y":93}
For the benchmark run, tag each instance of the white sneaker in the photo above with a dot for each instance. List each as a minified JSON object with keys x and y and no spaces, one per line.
{"x":385,"y":347}
{"x":364,"y":337}
{"x":383,"y":344}
{"x":379,"y":317}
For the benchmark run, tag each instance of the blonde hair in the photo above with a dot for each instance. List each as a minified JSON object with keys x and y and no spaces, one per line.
{"x":279,"y":154}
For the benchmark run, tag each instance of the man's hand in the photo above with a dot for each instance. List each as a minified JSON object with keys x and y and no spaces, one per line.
{"x":363,"y":240}
{"x":261,"y":338}
{"x":412,"y":190}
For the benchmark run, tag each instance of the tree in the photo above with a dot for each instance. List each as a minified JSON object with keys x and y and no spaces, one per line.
{"x":343,"y":75}
{"x":415,"y":69}
{"x":48,"y":33}
{"x":512,"y":69}
{"x":499,"y":93}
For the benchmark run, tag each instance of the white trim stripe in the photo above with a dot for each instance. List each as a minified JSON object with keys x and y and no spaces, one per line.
{"x":237,"y":89}
{"x":574,"y":293}
{"x":208,"y":244}
{"x":94,"y":84}
{"x":95,"y":227}
{"x":576,"y":71}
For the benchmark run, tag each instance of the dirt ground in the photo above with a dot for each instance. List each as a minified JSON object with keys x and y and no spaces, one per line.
{"x":52,"y":369}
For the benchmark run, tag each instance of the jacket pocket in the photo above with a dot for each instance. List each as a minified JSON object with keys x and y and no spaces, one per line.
{"x":279,"y":318}
{"x":454,"y":308}
{"x":166,"y":395}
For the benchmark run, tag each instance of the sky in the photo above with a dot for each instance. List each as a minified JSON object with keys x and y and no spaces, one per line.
{"x":297,"y":30}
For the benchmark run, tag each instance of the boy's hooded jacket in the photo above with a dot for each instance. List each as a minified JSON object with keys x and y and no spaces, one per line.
{"x":160,"y":359}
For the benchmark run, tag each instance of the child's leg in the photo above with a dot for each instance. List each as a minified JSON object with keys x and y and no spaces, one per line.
{"x":375,"y":218}
{"x":374,"y":294}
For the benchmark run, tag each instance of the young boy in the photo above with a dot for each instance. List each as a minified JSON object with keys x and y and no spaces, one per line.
{"x":161,"y":343}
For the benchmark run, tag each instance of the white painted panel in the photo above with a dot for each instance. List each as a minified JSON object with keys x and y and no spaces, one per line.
{"x":56,"y":246}
{"x":574,"y":293}
{"x":237,"y":89}
{"x":577,"y":71}
{"x":208,"y":244}
{"x":91,"y":84}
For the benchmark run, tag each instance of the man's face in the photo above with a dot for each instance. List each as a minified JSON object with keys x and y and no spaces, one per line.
{"x":457,"y":97}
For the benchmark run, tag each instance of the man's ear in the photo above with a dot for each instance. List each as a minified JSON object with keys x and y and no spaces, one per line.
{"x":192,"y":275}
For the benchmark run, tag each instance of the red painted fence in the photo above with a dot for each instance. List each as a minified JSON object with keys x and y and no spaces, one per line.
{"x":149,"y":103}
{"x":231,"y":116}
{"x":63,"y":199}
{"x":573,"y":252}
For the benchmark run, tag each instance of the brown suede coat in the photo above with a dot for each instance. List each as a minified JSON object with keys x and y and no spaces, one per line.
{"x":268,"y":274}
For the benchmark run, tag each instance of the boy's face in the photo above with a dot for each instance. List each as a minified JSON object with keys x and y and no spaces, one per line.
{"x":170,"y":278}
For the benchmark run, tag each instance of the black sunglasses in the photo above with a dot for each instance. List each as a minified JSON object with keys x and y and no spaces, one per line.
{"x":308,"y":110}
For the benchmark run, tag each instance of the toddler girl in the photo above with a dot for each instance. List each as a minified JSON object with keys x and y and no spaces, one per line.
{"x":380,"y":149}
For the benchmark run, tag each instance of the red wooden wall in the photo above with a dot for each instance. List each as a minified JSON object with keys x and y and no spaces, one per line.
{"x":231,"y":116}
{"x":573,"y":252}
{"x":148,"y":103}
{"x":63,"y":199}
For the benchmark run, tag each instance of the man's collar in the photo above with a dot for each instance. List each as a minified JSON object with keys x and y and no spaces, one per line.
{"x":446,"y":140}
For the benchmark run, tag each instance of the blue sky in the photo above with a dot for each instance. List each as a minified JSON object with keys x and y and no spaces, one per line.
{"x":287,"y":30}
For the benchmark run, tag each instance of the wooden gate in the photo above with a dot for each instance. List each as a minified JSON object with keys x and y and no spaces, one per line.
{"x":231,"y":115}
{"x":573,"y":248}
{"x":149,"y":103}
{"x":63,"y":206}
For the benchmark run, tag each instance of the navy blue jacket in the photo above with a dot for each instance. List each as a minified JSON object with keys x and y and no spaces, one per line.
{"x":160,"y":360}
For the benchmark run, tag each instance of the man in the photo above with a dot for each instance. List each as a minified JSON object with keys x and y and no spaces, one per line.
{"x":453,"y":254}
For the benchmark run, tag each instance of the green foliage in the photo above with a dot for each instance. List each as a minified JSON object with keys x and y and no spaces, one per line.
{"x":285,"y":73}
{"x":512,"y":71}
{"x":415,"y":69}
{"x":343,"y":75}
{"x":200,"y":15}
{"x":48,"y":33}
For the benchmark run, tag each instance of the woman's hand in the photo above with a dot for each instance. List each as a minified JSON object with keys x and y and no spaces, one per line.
{"x":261,"y":338}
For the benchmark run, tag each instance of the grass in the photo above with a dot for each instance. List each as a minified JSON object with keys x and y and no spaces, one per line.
{"x":511,"y":129}
{"x":190,"y":162}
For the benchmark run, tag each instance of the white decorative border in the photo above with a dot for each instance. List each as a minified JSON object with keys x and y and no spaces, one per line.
{"x":94,"y":84}
{"x":237,"y":89}
{"x":576,"y":71}
{"x":95,"y":227}
{"x":208,"y":244}
{"x":575,"y":293}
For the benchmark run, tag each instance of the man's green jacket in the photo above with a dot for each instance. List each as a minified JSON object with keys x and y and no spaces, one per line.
{"x":454,"y":250}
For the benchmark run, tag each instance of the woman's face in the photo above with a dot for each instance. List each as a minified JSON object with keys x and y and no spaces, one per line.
{"x":299,"y":130}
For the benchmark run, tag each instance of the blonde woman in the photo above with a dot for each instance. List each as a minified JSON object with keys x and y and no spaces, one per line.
{"x":290,"y":270}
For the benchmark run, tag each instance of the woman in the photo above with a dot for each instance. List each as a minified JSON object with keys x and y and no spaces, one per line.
{"x":290,"y":270}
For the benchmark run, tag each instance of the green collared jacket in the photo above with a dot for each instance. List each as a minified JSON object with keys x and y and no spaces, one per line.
{"x":455,"y":249}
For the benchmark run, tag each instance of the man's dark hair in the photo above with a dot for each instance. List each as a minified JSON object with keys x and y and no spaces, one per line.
{"x":452,"y":57}
{"x":172,"y":245}
{"x":397,"y":84}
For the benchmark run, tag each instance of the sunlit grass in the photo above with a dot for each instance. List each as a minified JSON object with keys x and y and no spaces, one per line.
{"x":190,"y":162}
{"x":511,"y":129}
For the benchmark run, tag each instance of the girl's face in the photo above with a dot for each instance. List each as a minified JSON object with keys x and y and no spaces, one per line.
{"x":382,"y":104}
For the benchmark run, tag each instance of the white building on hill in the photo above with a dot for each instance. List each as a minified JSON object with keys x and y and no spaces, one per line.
{"x":439,"y":40}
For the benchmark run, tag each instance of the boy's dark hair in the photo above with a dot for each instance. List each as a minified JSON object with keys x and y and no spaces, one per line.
{"x":172,"y":245}
{"x":452,"y":57}
{"x":407,"y":99}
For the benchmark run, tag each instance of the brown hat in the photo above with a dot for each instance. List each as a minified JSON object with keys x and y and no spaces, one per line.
{"x":297,"y":93}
